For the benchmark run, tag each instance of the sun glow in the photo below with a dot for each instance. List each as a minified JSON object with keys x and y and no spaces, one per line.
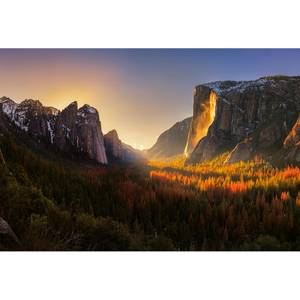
{"x":138,"y":147}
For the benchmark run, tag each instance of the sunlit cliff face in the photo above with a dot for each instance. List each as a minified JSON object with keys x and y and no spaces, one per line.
{"x":212,"y":109}
{"x":201,"y":122}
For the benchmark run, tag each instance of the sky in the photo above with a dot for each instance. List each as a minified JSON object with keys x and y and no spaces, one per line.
{"x":138,"y":92}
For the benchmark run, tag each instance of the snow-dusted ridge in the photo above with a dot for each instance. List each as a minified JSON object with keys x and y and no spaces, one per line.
{"x":225,"y":87}
{"x":20,"y":114}
{"x":72,"y":129}
{"x":230,"y":86}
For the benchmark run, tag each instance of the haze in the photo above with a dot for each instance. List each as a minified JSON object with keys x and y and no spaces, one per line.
{"x":138,"y":92}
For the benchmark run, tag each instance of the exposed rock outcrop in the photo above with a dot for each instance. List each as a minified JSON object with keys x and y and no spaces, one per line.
{"x":203,"y":116}
{"x":243,"y":151}
{"x":30,"y":116}
{"x":6,"y":229}
{"x":292,"y":143}
{"x":171,"y":142}
{"x":250,"y":117}
{"x":80,"y":129}
{"x":73,"y":129}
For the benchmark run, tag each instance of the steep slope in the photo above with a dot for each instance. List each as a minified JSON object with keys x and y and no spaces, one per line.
{"x":80,"y":129}
{"x":30,"y":116}
{"x":249,"y":117}
{"x":171,"y":142}
{"x":73,"y":129}
{"x":131,"y":154}
{"x":292,"y":143}
{"x":116,"y":150}
{"x":203,"y":115}
{"x":113,"y":146}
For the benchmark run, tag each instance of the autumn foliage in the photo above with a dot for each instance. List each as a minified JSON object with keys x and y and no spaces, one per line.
{"x":161,"y":206}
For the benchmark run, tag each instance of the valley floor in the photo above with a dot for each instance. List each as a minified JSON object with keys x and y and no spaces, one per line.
{"x":161,"y":206}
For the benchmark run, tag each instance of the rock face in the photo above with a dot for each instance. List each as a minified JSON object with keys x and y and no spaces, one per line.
{"x":80,"y":129}
{"x":250,"y":117}
{"x":117,"y":151}
{"x":241,"y":152}
{"x":203,"y":116}
{"x":292,"y":143}
{"x":113,"y":146}
{"x":73,"y":129}
{"x":30,"y":115}
{"x":172,"y":142}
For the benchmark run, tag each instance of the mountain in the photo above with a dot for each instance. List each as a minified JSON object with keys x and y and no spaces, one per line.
{"x":72,"y":130}
{"x":171,"y":142}
{"x":113,"y":146}
{"x":246,"y":118}
{"x":80,"y":129}
{"x":116,"y":150}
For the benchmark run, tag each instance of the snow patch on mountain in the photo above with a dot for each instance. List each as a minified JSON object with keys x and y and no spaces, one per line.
{"x":221,"y":88}
{"x":51,"y":132}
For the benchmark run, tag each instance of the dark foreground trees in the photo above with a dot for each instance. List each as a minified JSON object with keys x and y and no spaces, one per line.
{"x":52,"y":205}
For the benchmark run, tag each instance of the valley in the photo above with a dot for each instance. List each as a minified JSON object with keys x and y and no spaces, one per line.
{"x":227,"y":178}
{"x":159,"y":206}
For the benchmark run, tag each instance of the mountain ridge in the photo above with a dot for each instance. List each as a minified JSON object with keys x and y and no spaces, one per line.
{"x":72,"y":130}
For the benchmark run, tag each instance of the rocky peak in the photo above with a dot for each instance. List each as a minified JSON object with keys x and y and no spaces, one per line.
{"x":51,"y":110}
{"x":113,"y":145}
{"x":69,"y":114}
{"x":8,"y":106}
{"x":112,"y":134}
{"x":87,"y":114}
{"x":72,"y":107}
{"x":31,"y":103}
{"x":4,"y":99}
{"x":87,"y":109}
{"x":80,"y":130}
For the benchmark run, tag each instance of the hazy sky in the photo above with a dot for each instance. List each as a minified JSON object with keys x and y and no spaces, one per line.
{"x":140,"y":93}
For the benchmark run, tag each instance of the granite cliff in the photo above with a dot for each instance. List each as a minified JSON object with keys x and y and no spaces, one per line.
{"x":71,"y":130}
{"x":246,"y":118}
{"x":292,"y":143}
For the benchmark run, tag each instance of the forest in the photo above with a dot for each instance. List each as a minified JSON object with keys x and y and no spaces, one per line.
{"x":51,"y":205}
